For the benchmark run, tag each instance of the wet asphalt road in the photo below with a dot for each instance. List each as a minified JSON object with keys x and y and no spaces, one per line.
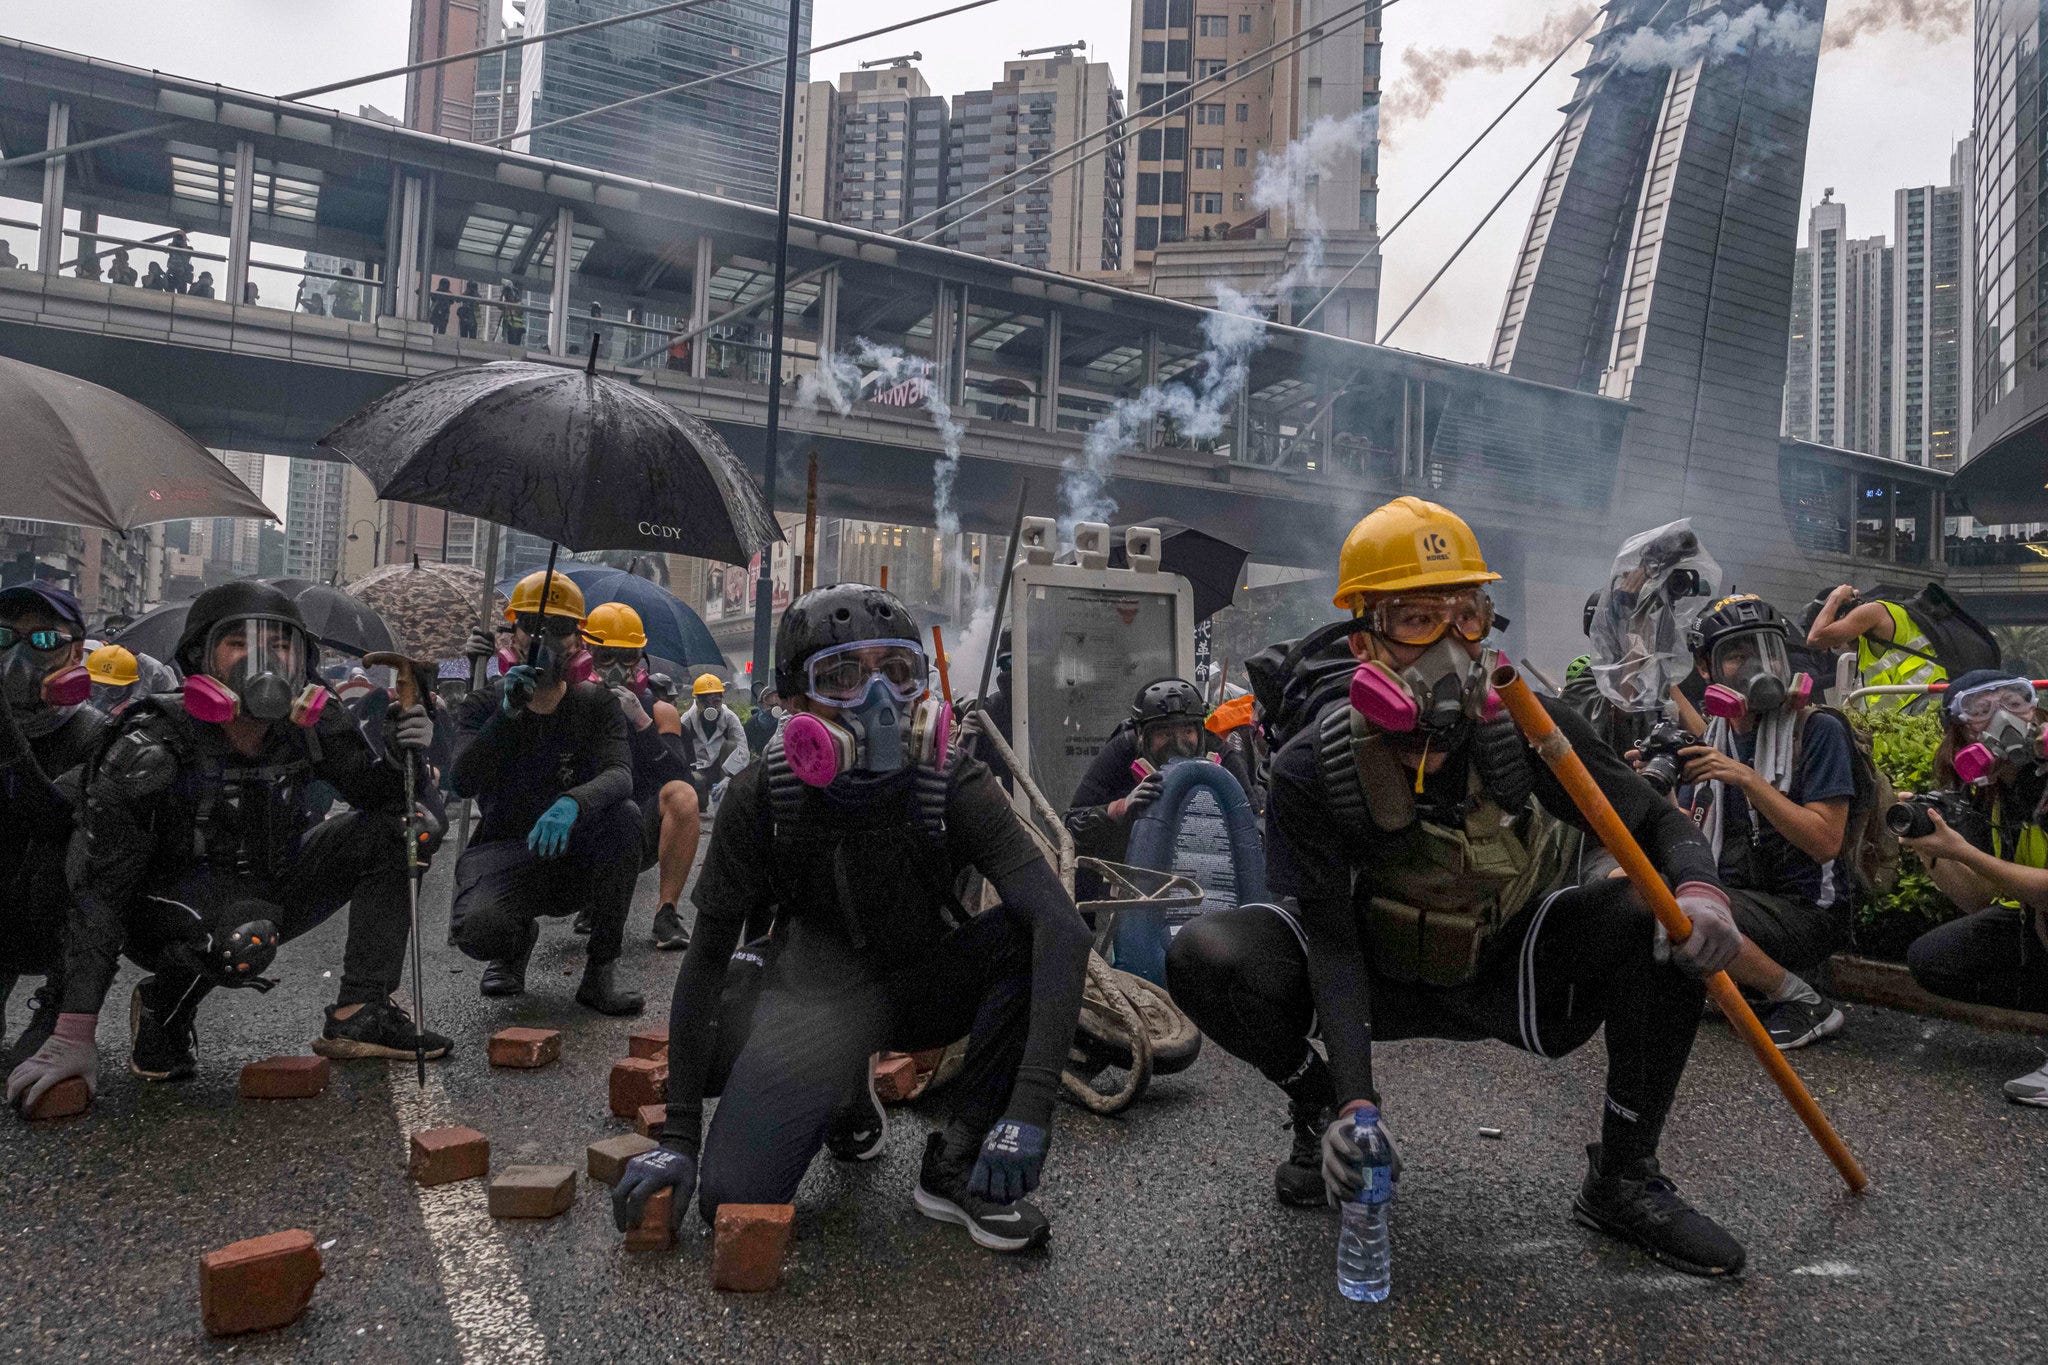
{"x":1167,"y":1243}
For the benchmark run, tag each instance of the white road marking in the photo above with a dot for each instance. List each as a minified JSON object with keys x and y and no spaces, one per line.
{"x":493,"y":1317}
{"x":1828,"y":1270}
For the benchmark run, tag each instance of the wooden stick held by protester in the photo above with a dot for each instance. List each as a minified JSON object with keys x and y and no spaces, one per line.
{"x":1556,"y":751}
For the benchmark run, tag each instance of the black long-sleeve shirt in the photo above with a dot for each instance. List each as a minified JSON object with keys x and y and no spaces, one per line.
{"x":141,"y":808}
{"x":1097,"y":833}
{"x":1330,"y":870}
{"x":518,"y":764}
{"x":738,"y":883}
{"x":38,"y":789}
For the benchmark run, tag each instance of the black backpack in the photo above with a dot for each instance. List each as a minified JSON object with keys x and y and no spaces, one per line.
{"x":1958,"y":641}
{"x":1870,"y":851}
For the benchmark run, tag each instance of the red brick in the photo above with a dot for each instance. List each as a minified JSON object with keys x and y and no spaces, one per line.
{"x":525,"y":1048}
{"x":746,"y":1256}
{"x":652,"y":1232}
{"x":532,"y":1191}
{"x":284,"y":1078}
{"x":648,"y":1044}
{"x":607,"y":1159}
{"x":259,"y":1284}
{"x":441,"y":1155}
{"x":637,"y":1081}
{"x":66,"y":1099}
{"x":649,"y":1120}
{"x":895,"y":1077}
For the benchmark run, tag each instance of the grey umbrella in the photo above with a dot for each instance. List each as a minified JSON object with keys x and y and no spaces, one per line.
{"x":587,"y":461}
{"x":86,"y":456}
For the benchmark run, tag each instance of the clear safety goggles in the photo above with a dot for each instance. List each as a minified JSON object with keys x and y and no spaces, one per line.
{"x":1985,"y":700}
{"x":1738,"y":659}
{"x":258,"y":644}
{"x":1425,"y":618}
{"x":839,"y":676}
{"x":608,"y":656}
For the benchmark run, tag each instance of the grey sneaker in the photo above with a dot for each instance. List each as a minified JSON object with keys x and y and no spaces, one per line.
{"x":1793,"y":1024}
{"x":2031,"y":1088}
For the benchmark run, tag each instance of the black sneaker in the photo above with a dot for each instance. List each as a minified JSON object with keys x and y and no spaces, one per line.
{"x":860,"y":1129}
{"x":668,"y":928}
{"x":42,"y":1022}
{"x":580,"y":926}
{"x":1640,"y":1205}
{"x":378,"y":1029}
{"x":161,"y":1038}
{"x":598,"y":992}
{"x":507,"y":975}
{"x":1298,"y":1181}
{"x":1793,"y":1024}
{"x":942,"y":1195}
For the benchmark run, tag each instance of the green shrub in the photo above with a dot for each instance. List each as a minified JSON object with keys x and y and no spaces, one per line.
{"x":1903,"y":747}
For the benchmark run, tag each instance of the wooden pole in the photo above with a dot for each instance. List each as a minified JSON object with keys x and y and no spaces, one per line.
{"x":885,"y":578}
{"x":809,"y":579}
{"x":939,"y":653}
{"x":1556,"y":751}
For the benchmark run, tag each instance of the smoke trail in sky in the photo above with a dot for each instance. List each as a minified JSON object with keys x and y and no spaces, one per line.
{"x":1198,"y":401}
{"x":1937,"y":20}
{"x":1426,"y":72}
{"x":1717,"y":38}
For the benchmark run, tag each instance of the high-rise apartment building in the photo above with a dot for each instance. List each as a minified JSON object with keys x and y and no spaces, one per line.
{"x":1837,"y":380}
{"x":1192,"y":206}
{"x":496,"y":112}
{"x":723,"y":138}
{"x":1931,"y":332}
{"x":313,"y":519}
{"x":1073,"y":222}
{"x":813,"y":169}
{"x":888,"y":148}
{"x":442,"y":99}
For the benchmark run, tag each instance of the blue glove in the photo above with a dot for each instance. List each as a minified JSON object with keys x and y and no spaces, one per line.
{"x":550,"y":835}
{"x":647,"y":1175}
{"x":1012,"y":1156}
{"x":521,"y":682}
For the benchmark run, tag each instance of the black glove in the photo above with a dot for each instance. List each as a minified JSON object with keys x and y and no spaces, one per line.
{"x":647,"y":1175}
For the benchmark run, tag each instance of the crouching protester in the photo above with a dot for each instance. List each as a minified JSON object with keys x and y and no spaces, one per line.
{"x":47,"y":732}
{"x":543,"y":750}
{"x":1770,"y":790}
{"x":1422,"y":854}
{"x":853,"y":827}
{"x":197,"y":854}
{"x":670,"y":823}
{"x":1981,"y":840}
{"x":1130,"y":772}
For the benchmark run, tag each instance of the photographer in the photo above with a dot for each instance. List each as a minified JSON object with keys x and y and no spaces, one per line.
{"x":1985,"y":849}
{"x":1770,"y":790}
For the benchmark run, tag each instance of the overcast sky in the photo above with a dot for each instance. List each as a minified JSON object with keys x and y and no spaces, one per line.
{"x":1887,"y":111}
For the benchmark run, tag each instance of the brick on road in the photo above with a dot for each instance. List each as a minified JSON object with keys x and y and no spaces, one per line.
{"x":525,"y":1048}
{"x":637,"y":1081}
{"x":746,"y":1256}
{"x":284,"y":1078}
{"x":532,"y":1191}
{"x":442,"y":1155}
{"x":652,"y":1232}
{"x":607,"y":1159}
{"x":258,"y":1284}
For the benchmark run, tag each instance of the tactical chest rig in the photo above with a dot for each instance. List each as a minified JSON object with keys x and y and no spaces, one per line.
{"x":1438,"y":901}
{"x":246,"y":818}
{"x":879,"y":868}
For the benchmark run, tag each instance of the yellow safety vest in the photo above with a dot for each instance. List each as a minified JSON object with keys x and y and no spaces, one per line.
{"x":1894,"y":667}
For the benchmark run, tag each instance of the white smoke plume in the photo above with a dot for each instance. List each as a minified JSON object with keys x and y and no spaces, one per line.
{"x":1936,"y":20}
{"x":836,"y":384}
{"x":1426,"y":72}
{"x":1717,"y":38}
{"x":1198,"y":402}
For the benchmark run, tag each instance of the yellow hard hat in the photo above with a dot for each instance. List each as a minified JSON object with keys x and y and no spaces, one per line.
{"x":614,"y":625}
{"x":564,"y":597}
{"x":706,"y":684}
{"x":1405,"y":545}
{"x":112,"y":665}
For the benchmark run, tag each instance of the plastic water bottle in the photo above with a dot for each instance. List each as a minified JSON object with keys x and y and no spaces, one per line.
{"x":1364,"y":1254}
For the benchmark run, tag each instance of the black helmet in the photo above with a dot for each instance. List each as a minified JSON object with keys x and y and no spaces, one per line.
{"x":1734,"y":616}
{"x":1165,"y":698}
{"x":842,"y":614}
{"x":243,"y":599}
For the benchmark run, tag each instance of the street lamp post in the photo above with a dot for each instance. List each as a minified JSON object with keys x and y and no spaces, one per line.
{"x":376,"y":538}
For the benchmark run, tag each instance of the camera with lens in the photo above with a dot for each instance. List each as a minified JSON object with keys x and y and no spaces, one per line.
{"x":1660,"y":764}
{"x":1913,"y":817}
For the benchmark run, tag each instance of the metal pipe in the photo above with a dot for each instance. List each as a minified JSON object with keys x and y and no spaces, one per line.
{"x":995,"y":625}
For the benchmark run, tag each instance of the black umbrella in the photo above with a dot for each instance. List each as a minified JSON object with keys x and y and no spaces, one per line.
{"x":1212,"y":564}
{"x":82,"y":455}
{"x":337,"y":619}
{"x":589,"y":462}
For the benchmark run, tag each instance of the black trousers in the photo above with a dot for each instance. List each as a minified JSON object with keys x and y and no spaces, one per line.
{"x":356,"y":859}
{"x":787,"y":1059}
{"x":1792,"y":933}
{"x":35,"y":905}
{"x":1559,"y":971}
{"x":502,"y":887}
{"x":1992,"y":957}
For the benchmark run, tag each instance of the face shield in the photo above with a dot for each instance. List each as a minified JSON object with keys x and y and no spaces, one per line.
{"x":263,"y":660}
{"x":1753,"y":665}
{"x":1660,"y":583}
